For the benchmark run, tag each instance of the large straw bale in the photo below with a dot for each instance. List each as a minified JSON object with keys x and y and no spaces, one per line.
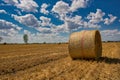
{"x":85,"y":44}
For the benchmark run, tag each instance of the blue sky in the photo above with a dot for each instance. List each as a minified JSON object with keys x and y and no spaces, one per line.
{"x":54,"y":20}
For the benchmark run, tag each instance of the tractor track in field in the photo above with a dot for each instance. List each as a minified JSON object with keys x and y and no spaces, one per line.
{"x":22,"y":64}
{"x":26,"y":56}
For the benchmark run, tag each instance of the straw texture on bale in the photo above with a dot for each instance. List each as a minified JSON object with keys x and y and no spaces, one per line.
{"x":85,"y":44}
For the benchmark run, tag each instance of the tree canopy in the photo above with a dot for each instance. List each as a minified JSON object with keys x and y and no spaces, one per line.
{"x":1,"y":39}
{"x":25,"y":38}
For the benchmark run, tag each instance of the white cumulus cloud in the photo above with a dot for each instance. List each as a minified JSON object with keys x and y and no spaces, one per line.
{"x":45,"y":21}
{"x":76,"y":4}
{"x":18,"y":12}
{"x":76,"y":22}
{"x":91,"y":25}
{"x":110,"y":20}
{"x":24,"y":5}
{"x":11,"y":2}
{"x":52,"y":38}
{"x":8,"y":28}
{"x":3,"y":11}
{"x":61,"y":8}
{"x":96,"y":17}
{"x":73,"y":22}
{"x":44,"y":30}
{"x":111,"y":35}
{"x":43,"y":8}
{"x":28,"y":20}
{"x":119,"y":20}
{"x":28,"y":5}
{"x":70,"y":23}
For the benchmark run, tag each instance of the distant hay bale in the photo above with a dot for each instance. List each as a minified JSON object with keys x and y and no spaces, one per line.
{"x":85,"y":44}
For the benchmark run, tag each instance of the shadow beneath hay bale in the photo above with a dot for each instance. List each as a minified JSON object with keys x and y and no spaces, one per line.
{"x":108,"y":60}
{"x":103,"y":59}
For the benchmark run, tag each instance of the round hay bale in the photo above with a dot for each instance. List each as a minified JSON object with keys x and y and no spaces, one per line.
{"x":85,"y":44}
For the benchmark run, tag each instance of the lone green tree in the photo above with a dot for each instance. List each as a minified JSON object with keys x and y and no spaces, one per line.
{"x":25,"y":38}
{"x":1,"y":39}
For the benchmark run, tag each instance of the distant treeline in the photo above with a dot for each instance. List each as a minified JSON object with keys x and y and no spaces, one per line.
{"x":33,"y":43}
{"x":110,"y":41}
{"x":47,"y":43}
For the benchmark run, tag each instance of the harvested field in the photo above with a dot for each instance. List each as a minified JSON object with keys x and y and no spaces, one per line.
{"x":52,"y":61}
